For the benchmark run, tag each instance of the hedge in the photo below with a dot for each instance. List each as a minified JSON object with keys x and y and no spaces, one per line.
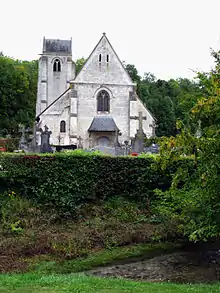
{"x":69,"y":180}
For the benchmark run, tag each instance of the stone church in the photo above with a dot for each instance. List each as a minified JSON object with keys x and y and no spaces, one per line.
{"x":98,"y":106}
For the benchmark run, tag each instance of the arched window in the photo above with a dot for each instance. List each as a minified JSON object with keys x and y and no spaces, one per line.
{"x":62,"y":126}
{"x":100,"y":57}
{"x":107,"y":58}
{"x":103,"y":101}
{"x":56,"y":65}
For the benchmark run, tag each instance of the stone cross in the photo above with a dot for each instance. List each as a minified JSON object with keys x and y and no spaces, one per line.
{"x":59,"y":138}
{"x":26,"y":139}
{"x":139,"y":136}
{"x":45,"y":140}
{"x":140,"y":118}
{"x":22,"y":131}
{"x":126,"y":147}
{"x":80,"y":145}
{"x":90,"y":141}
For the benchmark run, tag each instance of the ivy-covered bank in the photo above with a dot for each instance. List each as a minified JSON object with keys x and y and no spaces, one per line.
{"x":65,"y":181}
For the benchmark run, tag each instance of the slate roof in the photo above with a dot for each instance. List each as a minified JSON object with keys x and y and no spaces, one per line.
{"x":61,"y":46}
{"x":103,"y":123}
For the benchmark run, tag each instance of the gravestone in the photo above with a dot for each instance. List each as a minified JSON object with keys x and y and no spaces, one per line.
{"x":153,"y":126}
{"x":22,"y":141}
{"x":127,"y":150}
{"x":153,"y":149}
{"x":80,"y":143}
{"x":105,"y":150}
{"x":45,"y":140}
{"x":25,"y":139}
{"x":138,"y":143}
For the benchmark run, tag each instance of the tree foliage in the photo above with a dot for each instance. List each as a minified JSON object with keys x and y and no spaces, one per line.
{"x":18,"y":89}
{"x":133,"y":73}
{"x":167,"y":100}
{"x":194,"y":200}
{"x":79,"y":64}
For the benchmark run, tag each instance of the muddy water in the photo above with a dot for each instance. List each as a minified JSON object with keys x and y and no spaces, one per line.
{"x":200,"y":264}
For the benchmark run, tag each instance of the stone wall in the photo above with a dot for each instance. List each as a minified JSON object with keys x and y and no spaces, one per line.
{"x":52,"y":118}
{"x":87,"y":108}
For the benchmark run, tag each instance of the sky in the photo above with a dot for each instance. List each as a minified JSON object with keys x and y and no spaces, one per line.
{"x":169,"y":38}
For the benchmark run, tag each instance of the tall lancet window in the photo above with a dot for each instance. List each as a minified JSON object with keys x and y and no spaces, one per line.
{"x":56,"y":65}
{"x":103,"y":101}
{"x":62,"y":126}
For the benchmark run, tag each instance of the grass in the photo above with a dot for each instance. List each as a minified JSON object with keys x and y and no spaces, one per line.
{"x":103,"y":257}
{"x":37,"y":283}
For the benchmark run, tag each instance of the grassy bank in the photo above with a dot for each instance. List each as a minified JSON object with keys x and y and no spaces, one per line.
{"x":103,"y":257}
{"x":99,"y":234}
{"x":82,"y":284}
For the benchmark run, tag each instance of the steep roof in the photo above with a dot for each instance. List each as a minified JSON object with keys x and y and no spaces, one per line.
{"x":103,"y":123}
{"x":57,"y":46}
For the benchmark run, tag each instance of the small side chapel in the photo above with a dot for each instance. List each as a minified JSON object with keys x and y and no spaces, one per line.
{"x":99,"y":106}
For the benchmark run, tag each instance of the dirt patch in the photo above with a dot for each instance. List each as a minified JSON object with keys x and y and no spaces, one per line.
{"x":186,"y":266}
{"x":12,"y":264}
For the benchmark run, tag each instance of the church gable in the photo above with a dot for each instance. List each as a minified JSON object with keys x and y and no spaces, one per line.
{"x":103,"y":66}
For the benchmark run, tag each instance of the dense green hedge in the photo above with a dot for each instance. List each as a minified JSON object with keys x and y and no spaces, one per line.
{"x":66,"y":181}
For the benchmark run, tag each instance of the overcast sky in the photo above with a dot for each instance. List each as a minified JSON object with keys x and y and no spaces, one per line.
{"x":168,"y":38}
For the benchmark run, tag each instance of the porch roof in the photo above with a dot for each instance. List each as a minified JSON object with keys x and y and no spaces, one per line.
{"x":103,"y":123}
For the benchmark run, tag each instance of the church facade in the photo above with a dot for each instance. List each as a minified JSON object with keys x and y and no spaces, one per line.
{"x":98,"y":106}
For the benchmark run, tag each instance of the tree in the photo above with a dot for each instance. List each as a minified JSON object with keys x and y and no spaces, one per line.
{"x":18,"y":88}
{"x":193,"y":200}
{"x":133,"y":73}
{"x":156,"y":95}
{"x":79,"y":64}
{"x":185,"y":94}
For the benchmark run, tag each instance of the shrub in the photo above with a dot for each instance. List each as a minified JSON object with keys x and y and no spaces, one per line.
{"x":66,"y":181}
{"x":12,"y":210}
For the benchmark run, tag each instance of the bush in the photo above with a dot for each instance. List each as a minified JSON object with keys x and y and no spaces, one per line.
{"x":13,"y":209}
{"x":66,"y":181}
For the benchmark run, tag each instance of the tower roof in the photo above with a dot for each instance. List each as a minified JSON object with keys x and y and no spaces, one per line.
{"x":57,"y":46}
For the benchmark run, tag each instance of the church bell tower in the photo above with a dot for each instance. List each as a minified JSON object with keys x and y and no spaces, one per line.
{"x":55,"y":70}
